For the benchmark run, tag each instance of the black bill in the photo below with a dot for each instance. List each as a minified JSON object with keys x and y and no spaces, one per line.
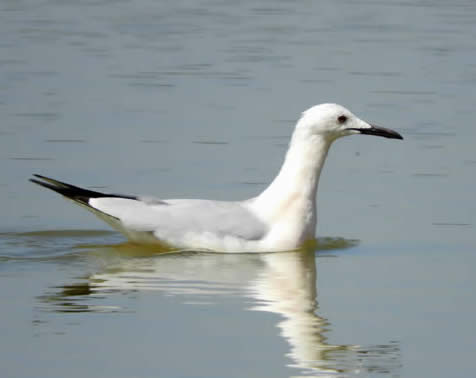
{"x":379,"y":131}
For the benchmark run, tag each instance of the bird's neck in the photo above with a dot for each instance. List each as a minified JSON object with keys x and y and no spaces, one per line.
{"x":290,"y":199}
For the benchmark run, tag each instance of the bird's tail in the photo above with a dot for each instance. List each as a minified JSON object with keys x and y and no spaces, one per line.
{"x":81,"y":197}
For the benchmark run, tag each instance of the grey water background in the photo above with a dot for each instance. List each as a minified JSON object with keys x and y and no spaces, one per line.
{"x":198,"y":99}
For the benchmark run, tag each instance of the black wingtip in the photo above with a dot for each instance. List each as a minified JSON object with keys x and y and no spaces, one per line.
{"x":54,"y":182}
{"x":72,"y":192}
{"x":64,"y":189}
{"x":40,"y":176}
{"x":44,"y":184}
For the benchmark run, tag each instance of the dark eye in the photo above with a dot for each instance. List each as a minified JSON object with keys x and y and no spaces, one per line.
{"x":342,"y":119}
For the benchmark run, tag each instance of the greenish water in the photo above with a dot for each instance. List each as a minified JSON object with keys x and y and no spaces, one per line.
{"x":199,"y":100}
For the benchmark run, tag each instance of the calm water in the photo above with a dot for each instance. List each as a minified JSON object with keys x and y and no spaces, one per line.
{"x":198,"y":99}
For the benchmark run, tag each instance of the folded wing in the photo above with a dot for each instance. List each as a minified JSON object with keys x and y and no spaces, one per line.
{"x":166,"y":220}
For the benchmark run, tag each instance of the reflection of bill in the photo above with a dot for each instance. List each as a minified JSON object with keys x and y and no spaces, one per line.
{"x":282,"y":283}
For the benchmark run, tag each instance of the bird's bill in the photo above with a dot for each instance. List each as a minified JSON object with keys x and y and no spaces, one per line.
{"x":378,"y":131}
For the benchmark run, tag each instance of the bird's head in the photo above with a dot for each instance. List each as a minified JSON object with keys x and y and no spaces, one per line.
{"x":333,"y":121}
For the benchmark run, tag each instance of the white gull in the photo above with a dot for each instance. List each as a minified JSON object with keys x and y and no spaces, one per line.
{"x":283,"y":217}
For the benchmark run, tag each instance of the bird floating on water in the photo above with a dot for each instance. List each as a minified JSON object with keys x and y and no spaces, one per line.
{"x":282,"y":217}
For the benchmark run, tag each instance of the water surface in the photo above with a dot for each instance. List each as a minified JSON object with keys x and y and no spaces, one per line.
{"x":199,"y":100}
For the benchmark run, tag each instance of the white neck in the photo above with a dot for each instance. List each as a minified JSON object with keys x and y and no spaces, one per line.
{"x":288,"y":205}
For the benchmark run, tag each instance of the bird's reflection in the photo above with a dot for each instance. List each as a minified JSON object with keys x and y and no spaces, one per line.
{"x":282,"y":283}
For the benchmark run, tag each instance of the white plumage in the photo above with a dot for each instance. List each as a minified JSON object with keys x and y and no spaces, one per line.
{"x":282,"y":217}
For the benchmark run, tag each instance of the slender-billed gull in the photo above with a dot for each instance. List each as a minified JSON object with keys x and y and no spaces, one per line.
{"x":282,"y":217}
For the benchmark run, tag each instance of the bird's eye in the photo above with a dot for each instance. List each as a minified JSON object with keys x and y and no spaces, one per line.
{"x":342,"y":119}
